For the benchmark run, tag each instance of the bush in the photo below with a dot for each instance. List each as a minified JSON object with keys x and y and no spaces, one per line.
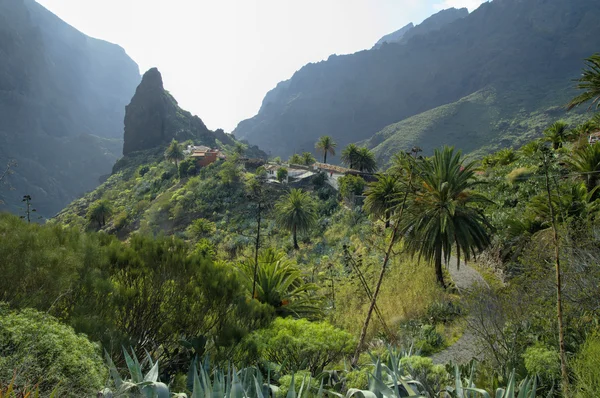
{"x":519,"y":174}
{"x":351,"y":186}
{"x":586,"y":368}
{"x":358,"y":378}
{"x":41,"y":349}
{"x":282,"y":174}
{"x":300,"y":344}
{"x":188,"y":168}
{"x":143,"y":170}
{"x":285,"y":382}
{"x":543,"y":362}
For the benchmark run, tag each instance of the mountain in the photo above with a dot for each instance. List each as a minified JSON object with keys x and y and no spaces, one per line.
{"x":534,"y":46}
{"x":153,"y":118}
{"x":62,"y":103}
{"x":431,"y":24}
{"x":394,"y":37}
{"x":148,"y":193}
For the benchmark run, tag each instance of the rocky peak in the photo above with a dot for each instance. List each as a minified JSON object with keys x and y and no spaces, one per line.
{"x":153,"y":118}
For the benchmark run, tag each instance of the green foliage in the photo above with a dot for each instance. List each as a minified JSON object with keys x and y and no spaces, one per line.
{"x":99,"y":212}
{"x":188,"y":168}
{"x":586,"y":368}
{"x":230,"y":173}
{"x":42,"y":350}
{"x":543,"y":362}
{"x":295,"y":159}
{"x":296,"y":212}
{"x":351,"y":186}
{"x":282,"y":174}
{"x":201,"y":228}
{"x":280,"y":284}
{"x":301,"y":344}
{"x":445,"y":211}
{"x":174,"y":152}
{"x":590,"y":82}
{"x":326,"y":145}
{"x":520,"y":174}
{"x":557,"y":134}
{"x":382,"y":196}
{"x":307,"y":159}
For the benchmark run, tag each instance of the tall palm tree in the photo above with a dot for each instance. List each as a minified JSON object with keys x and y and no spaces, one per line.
{"x":99,"y":211}
{"x":280,"y":284}
{"x":557,"y":134}
{"x":296,"y":212}
{"x":381,"y":197}
{"x":587,"y":162}
{"x":174,"y":153}
{"x":307,"y":158}
{"x":590,"y":82}
{"x":443,"y":212}
{"x":326,"y":145}
{"x":349,"y":155}
{"x":365,"y":160}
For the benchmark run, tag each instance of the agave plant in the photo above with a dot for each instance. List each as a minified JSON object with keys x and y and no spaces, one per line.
{"x":467,"y":389}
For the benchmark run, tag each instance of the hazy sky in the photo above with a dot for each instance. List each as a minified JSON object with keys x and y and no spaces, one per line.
{"x":220,"y":57}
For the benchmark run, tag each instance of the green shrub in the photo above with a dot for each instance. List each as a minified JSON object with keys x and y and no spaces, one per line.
{"x":285,"y":382}
{"x":300,"y":344}
{"x":351,"y":186}
{"x":41,"y":349}
{"x":586,"y":368}
{"x":543,"y":362}
{"x":143,"y":170}
{"x":358,"y":378}
{"x":282,"y":174}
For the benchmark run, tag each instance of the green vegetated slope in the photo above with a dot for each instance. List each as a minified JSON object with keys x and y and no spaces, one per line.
{"x":483,"y":122}
{"x":62,"y":102}
{"x":352,"y":97}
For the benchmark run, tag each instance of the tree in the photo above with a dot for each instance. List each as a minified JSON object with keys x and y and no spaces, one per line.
{"x":590,"y":82}
{"x":99,"y":211}
{"x":307,"y":158}
{"x":239,"y":149}
{"x":557,"y":134}
{"x":279,"y":283}
{"x":295,"y":159}
{"x":351,"y":186}
{"x":349,"y":155}
{"x":444,"y":212}
{"x":326,"y":145}
{"x":365,"y":160}
{"x":282,"y":174}
{"x":174,"y":153}
{"x":381,"y":197}
{"x":296,"y":212}
{"x":587,"y":162}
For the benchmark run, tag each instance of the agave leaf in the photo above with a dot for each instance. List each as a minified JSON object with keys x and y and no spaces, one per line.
{"x":152,"y":374}
{"x":483,"y":393}
{"x":500,"y":393}
{"x":149,"y":358}
{"x":236,"y":390}
{"x":114,"y":373}
{"x":458,"y":382}
{"x":161,"y":390}
{"x":197,"y":391}
{"x":134,"y":370}
{"x":192,"y":373}
{"x":106,"y":393}
{"x":356,"y":393}
{"x":320,"y":392}
{"x":510,"y":388}
{"x":292,"y":391}
{"x":258,"y":387}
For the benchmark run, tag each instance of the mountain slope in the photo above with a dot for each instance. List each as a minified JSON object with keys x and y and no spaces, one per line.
{"x":62,"y":100}
{"x":352,"y":97}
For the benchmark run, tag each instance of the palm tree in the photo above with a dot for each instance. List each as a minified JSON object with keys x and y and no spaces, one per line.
{"x":326,"y":145}
{"x":590,"y":82}
{"x":443,"y":212}
{"x":557,"y":134}
{"x":587,"y":162}
{"x":349,"y":155}
{"x":99,"y":211}
{"x":174,"y":153}
{"x":296,"y":212}
{"x":365,"y":160}
{"x":295,"y":159}
{"x":307,"y":158}
{"x":279,"y":283}
{"x":381,"y":197}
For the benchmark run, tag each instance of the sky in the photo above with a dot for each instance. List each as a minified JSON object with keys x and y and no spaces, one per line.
{"x":220,"y":57}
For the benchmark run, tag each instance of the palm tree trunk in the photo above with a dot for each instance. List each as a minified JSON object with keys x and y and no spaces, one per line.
{"x":294,"y":233}
{"x":256,"y":247}
{"x":559,"y":314}
{"x":438,"y":266}
{"x":325,"y":157}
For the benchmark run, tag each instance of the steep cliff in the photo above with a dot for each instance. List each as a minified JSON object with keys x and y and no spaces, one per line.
{"x":62,"y":103}
{"x":536,"y":44}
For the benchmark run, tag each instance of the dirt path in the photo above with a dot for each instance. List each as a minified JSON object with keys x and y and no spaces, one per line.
{"x":465,"y":348}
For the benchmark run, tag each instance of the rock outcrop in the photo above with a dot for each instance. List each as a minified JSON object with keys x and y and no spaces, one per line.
{"x":153,"y":118}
